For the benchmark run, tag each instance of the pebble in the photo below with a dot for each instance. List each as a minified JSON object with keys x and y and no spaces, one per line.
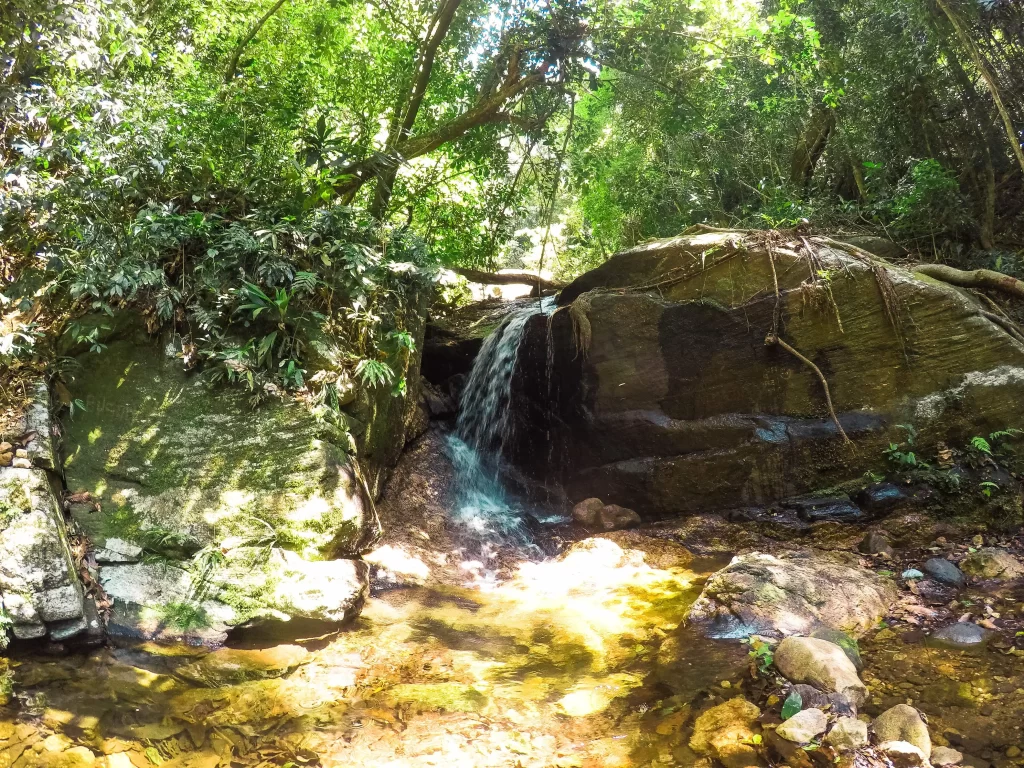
{"x":21,"y":464}
{"x":912,"y":574}
{"x":961,"y":634}
{"x":1013,"y":751}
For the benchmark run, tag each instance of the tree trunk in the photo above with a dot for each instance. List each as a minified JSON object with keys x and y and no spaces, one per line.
{"x":236,"y":54}
{"x":811,"y":145}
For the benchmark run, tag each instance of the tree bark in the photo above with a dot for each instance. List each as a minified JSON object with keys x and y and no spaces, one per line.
{"x":978,"y":278}
{"x":811,"y":146}
{"x":236,"y":54}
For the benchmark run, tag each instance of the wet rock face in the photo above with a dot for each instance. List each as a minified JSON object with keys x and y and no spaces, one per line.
{"x":764,"y":594}
{"x":668,"y":400}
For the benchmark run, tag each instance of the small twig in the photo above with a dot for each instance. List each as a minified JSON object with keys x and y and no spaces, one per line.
{"x":772,"y":340}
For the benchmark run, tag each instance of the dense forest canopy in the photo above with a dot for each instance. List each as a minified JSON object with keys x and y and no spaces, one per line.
{"x":231,"y":163}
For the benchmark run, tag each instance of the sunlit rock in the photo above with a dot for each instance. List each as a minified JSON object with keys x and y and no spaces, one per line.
{"x":847,"y":734}
{"x":725,"y":732}
{"x":803,"y":727}
{"x":764,"y":594}
{"x":902,"y":723}
{"x":234,"y":665}
{"x":820,"y":663}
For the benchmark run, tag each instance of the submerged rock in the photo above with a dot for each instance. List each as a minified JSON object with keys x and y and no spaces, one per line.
{"x":822,"y":664}
{"x":945,"y":572}
{"x":232,"y":665}
{"x":803,"y":727}
{"x":764,"y":594}
{"x":725,"y":732}
{"x":943,"y":757}
{"x":585,"y":513}
{"x":902,"y":723}
{"x":992,"y":563}
{"x":962,"y":634}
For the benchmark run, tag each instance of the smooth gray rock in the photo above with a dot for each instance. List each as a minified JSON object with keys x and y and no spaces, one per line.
{"x":803,"y":727}
{"x":961,"y":634}
{"x":944,"y":571}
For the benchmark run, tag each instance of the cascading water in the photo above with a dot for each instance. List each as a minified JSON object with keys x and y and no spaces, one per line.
{"x":482,"y":505}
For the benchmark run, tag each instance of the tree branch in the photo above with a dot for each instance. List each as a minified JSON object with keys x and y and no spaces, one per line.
{"x":232,"y":67}
{"x":508,"y":278}
{"x":978,"y":278}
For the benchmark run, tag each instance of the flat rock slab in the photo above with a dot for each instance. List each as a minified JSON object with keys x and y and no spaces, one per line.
{"x":763,"y":594}
{"x":234,"y":665}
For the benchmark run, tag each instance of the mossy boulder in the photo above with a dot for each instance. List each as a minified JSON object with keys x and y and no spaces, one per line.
{"x":192,"y":481}
{"x":173,"y":463}
{"x":654,"y":385}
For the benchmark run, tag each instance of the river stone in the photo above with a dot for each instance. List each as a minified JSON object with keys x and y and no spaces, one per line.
{"x":962,"y":634}
{"x":39,"y":582}
{"x":822,"y":664}
{"x":943,"y":757}
{"x":585,"y":513}
{"x":875,"y":543}
{"x":725,"y":732}
{"x":903,"y":754}
{"x":848,"y":734}
{"x":992,"y":563}
{"x":676,"y":405}
{"x":902,"y":723}
{"x":760,"y":593}
{"x":612,"y":517}
{"x":803,"y":727}
{"x":160,"y":451}
{"x":227,"y":666}
{"x":944,"y":571}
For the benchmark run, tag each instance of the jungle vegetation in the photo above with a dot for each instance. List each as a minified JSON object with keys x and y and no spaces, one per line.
{"x":244,"y":171}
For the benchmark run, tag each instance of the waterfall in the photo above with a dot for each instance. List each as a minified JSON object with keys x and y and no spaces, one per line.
{"x":482,"y":505}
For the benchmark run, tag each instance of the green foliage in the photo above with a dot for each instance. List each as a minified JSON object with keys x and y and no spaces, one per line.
{"x":185,"y":615}
{"x":762,"y":654}
{"x":902,"y":455}
{"x":793,"y":704}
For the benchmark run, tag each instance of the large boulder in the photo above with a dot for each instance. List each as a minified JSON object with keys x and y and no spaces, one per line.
{"x":653,"y":387}
{"x":798,"y":594}
{"x":205,"y":513}
{"x":992,"y":563}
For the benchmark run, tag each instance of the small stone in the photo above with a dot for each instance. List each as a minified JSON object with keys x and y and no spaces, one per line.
{"x":987,"y":710}
{"x":945,"y":572}
{"x":978,"y":541}
{"x":942,"y":757}
{"x":1013,"y":751}
{"x":613,"y":517}
{"x":725,"y":732}
{"x":962,"y":634}
{"x":912,"y":574}
{"x":6,"y":447}
{"x":820,"y":663}
{"x":21,"y":464}
{"x":848,"y":734}
{"x":803,"y":727}
{"x":726,"y":684}
{"x":585,"y":513}
{"x":875,"y":543}
{"x":902,"y":754}
{"x":6,"y":457}
{"x":21,"y":453}
{"x":903,"y":723}
{"x":811,"y":697}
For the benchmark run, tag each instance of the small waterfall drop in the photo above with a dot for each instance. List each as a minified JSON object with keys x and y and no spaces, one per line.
{"x":481,"y":503}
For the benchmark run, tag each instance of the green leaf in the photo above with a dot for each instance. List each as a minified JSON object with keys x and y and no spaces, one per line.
{"x":793,"y":704}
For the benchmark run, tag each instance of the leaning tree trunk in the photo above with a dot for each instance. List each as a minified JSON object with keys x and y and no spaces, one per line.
{"x":811,"y":146}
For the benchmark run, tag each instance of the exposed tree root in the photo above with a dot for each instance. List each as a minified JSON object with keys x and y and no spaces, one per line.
{"x":773,"y":340}
{"x":978,"y":278}
{"x":1003,"y":323}
{"x":508,"y":278}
